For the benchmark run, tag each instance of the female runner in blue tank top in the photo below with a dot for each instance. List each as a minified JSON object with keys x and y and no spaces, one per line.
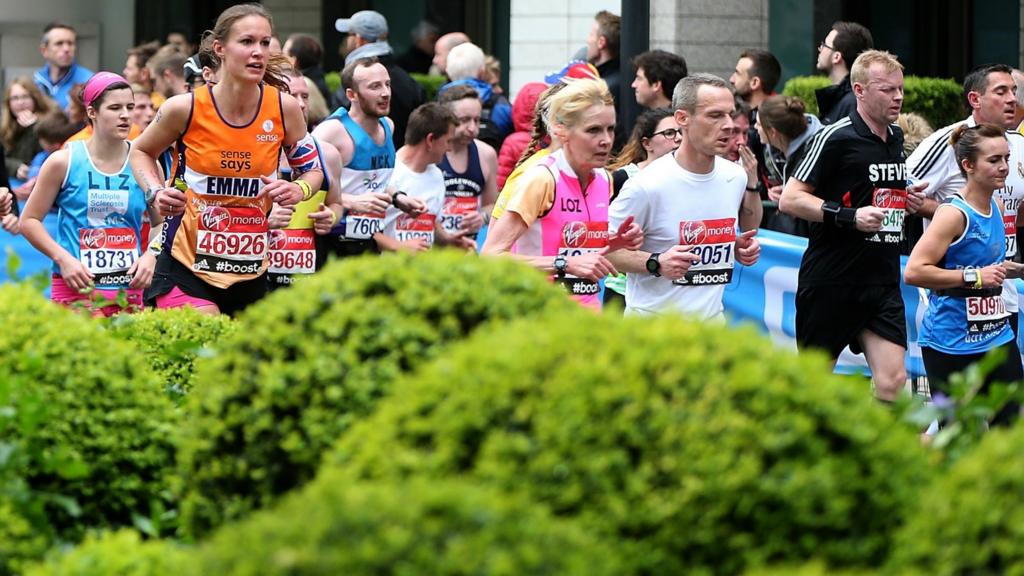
{"x":98,"y":250}
{"x":961,"y":259}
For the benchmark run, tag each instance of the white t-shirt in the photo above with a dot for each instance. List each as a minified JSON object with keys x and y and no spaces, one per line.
{"x":427,"y":186}
{"x":673,"y":206}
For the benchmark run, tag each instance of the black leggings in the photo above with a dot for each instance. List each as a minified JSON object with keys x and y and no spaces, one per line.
{"x":940,"y":366}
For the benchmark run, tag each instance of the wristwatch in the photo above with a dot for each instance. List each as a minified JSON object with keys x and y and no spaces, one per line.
{"x":151,"y":194}
{"x":972,"y":279}
{"x":561,"y":264}
{"x":653,"y":265}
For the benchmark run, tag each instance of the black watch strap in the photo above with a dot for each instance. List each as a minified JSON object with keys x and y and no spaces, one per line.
{"x":654,"y":265}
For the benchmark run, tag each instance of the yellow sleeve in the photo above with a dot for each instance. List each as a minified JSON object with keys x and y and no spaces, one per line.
{"x":534,"y":195}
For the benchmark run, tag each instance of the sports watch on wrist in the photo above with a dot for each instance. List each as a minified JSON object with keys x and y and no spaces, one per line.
{"x":151,"y":194}
{"x":561,"y":265}
{"x":971,"y":277}
{"x":653,"y":265}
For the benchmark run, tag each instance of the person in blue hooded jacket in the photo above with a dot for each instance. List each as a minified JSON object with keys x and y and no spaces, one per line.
{"x":465,"y":66}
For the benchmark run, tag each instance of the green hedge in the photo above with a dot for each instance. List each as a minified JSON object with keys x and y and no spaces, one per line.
{"x":939,"y":100}
{"x":430,"y":84}
{"x":171,"y":339}
{"x":121,"y":553}
{"x":97,"y":450}
{"x":700,"y":448}
{"x":419,"y":527}
{"x":21,"y":539}
{"x":971,"y":519}
{"x":307,"y":362}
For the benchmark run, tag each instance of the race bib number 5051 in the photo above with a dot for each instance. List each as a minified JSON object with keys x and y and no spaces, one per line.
{"x":714,"y":241}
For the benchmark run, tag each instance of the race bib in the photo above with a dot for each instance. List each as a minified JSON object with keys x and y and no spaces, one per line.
{"x":231,"y":239}
{"x":109,"y":253}
{"x":363,"y":225}
{"x":292,"y":251}
{"x":455,"y":209}
{"x":579,"y":238}
{"x":985,"y":315}
{"x":418,"y":228}
{"x":1010,"y":226}
{"x":714,"y":241}
{"x":893,"y":204}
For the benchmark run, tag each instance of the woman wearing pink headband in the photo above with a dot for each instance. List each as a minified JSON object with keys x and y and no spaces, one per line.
{"x":98,"y":256}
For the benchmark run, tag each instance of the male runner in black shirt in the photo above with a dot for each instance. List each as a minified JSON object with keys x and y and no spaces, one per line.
{"x":852,"y":187}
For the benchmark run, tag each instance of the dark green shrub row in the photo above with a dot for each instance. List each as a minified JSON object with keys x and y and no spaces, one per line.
{"x":170,"y":340}
{"x":699,"y":448}
{"x":98,"y":448}
{"x":307,"y":362}
{"x":939,"y":100}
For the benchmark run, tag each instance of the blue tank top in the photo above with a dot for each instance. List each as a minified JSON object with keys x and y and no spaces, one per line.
{"x":462,"y":190}
{"x":969,"y":324}
{"x":368,"y":171}
{"x":99,"y":218}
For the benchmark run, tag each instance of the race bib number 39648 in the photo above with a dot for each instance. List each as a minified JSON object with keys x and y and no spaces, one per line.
{"x":714,"y":241}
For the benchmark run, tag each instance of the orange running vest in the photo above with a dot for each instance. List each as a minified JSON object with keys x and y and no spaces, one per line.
{"x":223,"y":234}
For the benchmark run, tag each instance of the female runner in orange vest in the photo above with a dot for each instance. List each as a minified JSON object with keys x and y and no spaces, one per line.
{"x":229,"y":137}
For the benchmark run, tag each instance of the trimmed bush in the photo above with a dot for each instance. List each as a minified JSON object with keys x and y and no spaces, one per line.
{"x":939,"y":100}
{"x":971,"y":519}
{"x":171,"y":339}
{"x":307,"y":362}
{"x":419,"y":527}
{"x":21,"y":540}
{"x":430,"y":83}
{"x":121,"y":553}
{"x":702,"y":449}
{"x":99,"y":447}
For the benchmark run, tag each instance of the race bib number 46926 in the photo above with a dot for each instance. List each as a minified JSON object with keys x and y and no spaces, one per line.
{"x":714,"y":241}
{"x":893,"y":204}
{"x":231,"y":239}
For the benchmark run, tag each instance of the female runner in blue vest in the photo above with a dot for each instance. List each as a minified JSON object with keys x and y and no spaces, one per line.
{"x":961,"y":259}
{"x":100,"y":207}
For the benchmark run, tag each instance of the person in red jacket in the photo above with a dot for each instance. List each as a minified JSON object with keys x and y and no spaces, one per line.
{"x":522,"y":121}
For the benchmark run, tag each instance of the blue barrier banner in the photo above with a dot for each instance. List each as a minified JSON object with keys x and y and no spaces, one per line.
{"x":31,"y":260}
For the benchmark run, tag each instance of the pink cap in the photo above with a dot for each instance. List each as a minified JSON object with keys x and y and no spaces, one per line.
{"x":99,"y":82}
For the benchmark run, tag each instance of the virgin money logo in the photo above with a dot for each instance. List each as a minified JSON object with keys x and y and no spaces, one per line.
{"x":694,"y":232}
{"x":216,"y":218}
{"x":94,"y":238}
{"x":888,"y":198}
{"x":574,"y":234}
{"x":278,"y":239}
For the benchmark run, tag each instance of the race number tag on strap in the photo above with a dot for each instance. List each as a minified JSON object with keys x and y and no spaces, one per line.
{"x":455,"y":208}
{"x":579,"y":238}
{"x":893,"y":203}
{"x":985,"y":314}
{"x":1010,"y":226}
{"x":231,"y":239}
{"x":292,"y":251}
{"x":108,"y":253}
{"x":419,"y":228}
{"x":363,"y":225}
{"x":714,"y":241}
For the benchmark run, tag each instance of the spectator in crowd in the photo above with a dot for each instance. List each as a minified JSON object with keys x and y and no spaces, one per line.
{"x":53,"y":130}
{"x":443,"y":46}
{"x":915,"y":129}
{"x":523,"y":110}
{"x":466,"y":67}
{"x":179,"y":39}
{"x":603,"y":53}
{"x":419,"y":56}
{"x":24,"y":104}
{"x":785,"y":126}
{"x":367,"y":37}
{"x":492,"y":73}
{"x":533,"y":224}
{"x":306,"y":55}
{"x":757,"y":72}
{"x":656,"y":74}
{"x":144,"y":111}
{"x":135,"y":70}
{"x":836,"y":53}
{"x":9,"y":211}
{"x":61,"y":71}
{"x":740,"y":129}
{"x":167,"y":68}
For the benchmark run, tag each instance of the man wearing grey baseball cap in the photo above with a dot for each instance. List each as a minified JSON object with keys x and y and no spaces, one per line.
{"x":367,"y":37}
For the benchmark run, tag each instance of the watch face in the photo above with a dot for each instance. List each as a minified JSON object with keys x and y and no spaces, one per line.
{"x":970,"y":276}
{"x":653,"y":265}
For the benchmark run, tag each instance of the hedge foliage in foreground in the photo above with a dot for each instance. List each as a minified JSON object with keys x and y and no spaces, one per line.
{"x":121,"y":553}
{"x":699,"y":448}
{"x":307,"y":362}
{"x":442,"y":528}
{"x":99,"y":449}
{"x":971,"y":519}
{"x":170,"y":340}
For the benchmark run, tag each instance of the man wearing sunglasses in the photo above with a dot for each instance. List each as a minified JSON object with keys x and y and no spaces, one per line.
{"x":844,"y":42}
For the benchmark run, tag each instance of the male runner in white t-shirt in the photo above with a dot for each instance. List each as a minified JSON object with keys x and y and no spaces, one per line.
{"x":696,"y":212}
{"x":427,"y":138}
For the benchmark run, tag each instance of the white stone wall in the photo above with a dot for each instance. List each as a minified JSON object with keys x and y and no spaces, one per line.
{"x":295,"y":16}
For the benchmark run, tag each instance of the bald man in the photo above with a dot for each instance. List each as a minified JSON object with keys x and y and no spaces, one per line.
{"x":443,"y":46}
